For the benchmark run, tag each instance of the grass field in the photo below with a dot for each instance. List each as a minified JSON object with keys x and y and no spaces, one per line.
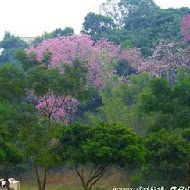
{"x":68,"y":180}
{"x":29,"y":187}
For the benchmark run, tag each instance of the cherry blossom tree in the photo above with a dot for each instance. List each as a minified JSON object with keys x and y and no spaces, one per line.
{"x":61,"y":52}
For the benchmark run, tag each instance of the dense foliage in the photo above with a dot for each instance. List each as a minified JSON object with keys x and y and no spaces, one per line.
{"x":91,"y":103}
{"x":142,"y":24}
{"x":100,"y":146}
{"x":8,"y":46}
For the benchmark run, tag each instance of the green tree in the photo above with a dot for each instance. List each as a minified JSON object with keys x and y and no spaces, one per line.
{"x":121,"y":104}
{"x":124,"y":69}
{"x":113,"y":110}
{"x":12,"y":83}
{"x":167,"y":155}
{"x":37,"y":134}
{"x":112,"y":9}
{"x":186,"y":135}
{"x":67,"y":31}
{"x":138,"y":8}
{"x":9,"y":44}
{"x":158,"y":25}
{"x":99,"y":146}
{"x":47,"y":90}
{"x":37,"y":142}
{"x":10,"y":150}
{"x":143,"y":24}
{"x":97,"y":26}
{"x":169,"y":103}
{"x":12,"y":92}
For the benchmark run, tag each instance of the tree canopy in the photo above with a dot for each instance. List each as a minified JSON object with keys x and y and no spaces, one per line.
{"x":100,"y":146}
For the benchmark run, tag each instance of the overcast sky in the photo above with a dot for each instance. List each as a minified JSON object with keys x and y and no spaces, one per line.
{"x":33,"y":17}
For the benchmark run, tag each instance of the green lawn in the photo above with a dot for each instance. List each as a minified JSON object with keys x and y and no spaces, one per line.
{"x":28,"y":187}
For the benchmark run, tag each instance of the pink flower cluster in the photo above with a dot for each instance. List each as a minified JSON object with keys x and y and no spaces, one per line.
{"x":57,"y":108}
{"x":99,"y":57}
{"x":137,"y":61}
{"x":185,"y":28}
{"x":65,"y":49}
{"x":169,"y":57}
{"x":166,"y":59}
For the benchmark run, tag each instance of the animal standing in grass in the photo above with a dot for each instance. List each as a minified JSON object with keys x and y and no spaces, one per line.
{"x":13,"y":184}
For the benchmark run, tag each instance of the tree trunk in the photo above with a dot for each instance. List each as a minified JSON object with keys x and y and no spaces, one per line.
{"x":188,"y":174}
{"x":95,"y":174}
{"x":37,"y":176}
{"x":41,"y":184}
{"x":80,"y":174}
{"x":44,"y":182}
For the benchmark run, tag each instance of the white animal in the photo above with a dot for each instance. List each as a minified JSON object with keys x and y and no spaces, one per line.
{"x":13,"y":184}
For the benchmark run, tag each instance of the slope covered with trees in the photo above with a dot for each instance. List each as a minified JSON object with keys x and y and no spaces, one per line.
{"x":140,"y":24}
{"x":89,"y":103}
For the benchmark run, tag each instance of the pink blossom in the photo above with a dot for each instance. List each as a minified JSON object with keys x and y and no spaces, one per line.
{"x":65,"y":49}
{"x":99,"y":57}
{"x":185,"y":28}
{"x":57,"y":108}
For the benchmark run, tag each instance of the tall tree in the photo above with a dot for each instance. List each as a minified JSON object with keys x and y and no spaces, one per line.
{"x":138,"y":8}
{"x":53,"y":95}
{"x":12,"y":92}
{"x":121,"y":10}
{"x":100,"y":146}
{"x":112,"y":9}
{"x":169,"y":102}
{"x":97,"y":26}
{"x":120,"y":105}
{"x":167,"y":155}
{"x":144,"y":24}
{"x":9,"y":44}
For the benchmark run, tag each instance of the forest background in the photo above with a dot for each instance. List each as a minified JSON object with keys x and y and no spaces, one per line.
{"x":118,"y":94}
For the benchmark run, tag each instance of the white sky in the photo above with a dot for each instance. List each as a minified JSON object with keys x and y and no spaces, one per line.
{"x":33,"y":17}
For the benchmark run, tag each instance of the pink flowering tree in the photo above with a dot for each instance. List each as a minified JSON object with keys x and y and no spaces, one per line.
{"x":140,"y":64}
{"x":165,"y":61}
{"x":60,"y":53}
{"x":61,"y":72}
{"x":65,"y":49}
{"x":171,"y":56}
{"x":54,"y":92}
{"x":185,"y":28}
{"x":166,"y":58}
{"x":57,"y":108}
{"x":98,"y":58}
